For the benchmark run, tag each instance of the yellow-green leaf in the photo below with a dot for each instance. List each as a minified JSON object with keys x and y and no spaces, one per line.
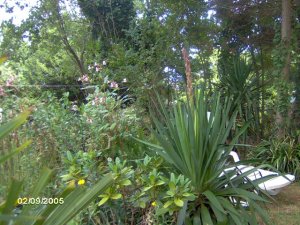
{"x":167,"y":204}
{"x":103,"y":200}
{"x":3,"y":59}
{"x":178,"y":202}
{"x":142,"y":204}
{"x":116,"y":196}
{"x":126,"y":182}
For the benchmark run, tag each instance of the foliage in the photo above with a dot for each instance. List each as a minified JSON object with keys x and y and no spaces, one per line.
{"x":90,"y":69}
{"x":194,"y":146}
{"x":144,"y":190}
{"x":51,"y":214}
{"x":96,"y":125}
{"x":284,"y":154}
{"x":94,"y":131}
{"x":81,"y":166}
{"x":109,"y":19}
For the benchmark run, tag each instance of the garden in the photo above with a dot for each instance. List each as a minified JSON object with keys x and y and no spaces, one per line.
{"x":149,"y":112}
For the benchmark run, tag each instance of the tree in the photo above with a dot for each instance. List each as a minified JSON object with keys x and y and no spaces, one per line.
{"x":109,"y":18}
{"x":57,"y":49}
{"x":284,"y":79}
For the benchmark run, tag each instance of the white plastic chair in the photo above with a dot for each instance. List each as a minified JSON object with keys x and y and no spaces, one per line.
{"x":272,"y":186}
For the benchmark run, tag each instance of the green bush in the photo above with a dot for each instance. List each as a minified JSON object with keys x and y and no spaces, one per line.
{"x":194,"y":146}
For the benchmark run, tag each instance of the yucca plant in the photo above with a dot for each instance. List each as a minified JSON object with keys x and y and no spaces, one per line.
{"x":74,"y":199}
{"x":237,"y":80}
{"x":195,"y":146}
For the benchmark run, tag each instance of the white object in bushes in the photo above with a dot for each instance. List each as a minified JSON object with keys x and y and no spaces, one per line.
{"x":272,"y":186}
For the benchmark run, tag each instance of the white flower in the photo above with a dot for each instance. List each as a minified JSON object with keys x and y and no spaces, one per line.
{"x":102,"y":100}
{"x":89,"y":120}
{"x":74,"y":107}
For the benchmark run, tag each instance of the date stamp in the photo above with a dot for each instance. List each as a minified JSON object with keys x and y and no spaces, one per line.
{"x":40,"y":201}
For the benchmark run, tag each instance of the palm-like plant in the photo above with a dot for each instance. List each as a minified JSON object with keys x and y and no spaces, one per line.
{"x":194,"y":145}
{"x":74,"y":199}
{"x":237,"y":81}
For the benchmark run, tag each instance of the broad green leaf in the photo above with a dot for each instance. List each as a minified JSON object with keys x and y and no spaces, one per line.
{"x":214,"y":201}
{"x":178,"y":202}
{"x":126,"y":182}
{"x":142,"y":204}
{"x":205,"y":215}
{"x":116,"y":196}
{"x":197,"y":219}
{"x":167,"y":204}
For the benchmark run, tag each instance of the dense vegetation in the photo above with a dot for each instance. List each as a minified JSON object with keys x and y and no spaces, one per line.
{"x":103,"y":104}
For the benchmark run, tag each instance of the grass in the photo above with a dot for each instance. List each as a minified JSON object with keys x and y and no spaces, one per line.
{"x":286,"y":207}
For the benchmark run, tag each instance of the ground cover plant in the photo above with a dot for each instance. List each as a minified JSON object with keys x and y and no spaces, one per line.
{"x":104,"y":106}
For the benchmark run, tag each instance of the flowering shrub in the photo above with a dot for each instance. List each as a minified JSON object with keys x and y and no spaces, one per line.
{"x":109,"y":125}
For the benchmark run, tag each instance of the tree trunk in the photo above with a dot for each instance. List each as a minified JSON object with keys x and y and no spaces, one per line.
{"x":79,"y":62}
{"x":296,"y":104}
{"x":286,"y":33}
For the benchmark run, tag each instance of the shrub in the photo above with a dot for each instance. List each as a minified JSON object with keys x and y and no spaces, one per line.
{"x":194,"y":146}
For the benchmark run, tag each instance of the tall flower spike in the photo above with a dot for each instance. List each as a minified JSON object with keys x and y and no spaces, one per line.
{"x":187,"y":64}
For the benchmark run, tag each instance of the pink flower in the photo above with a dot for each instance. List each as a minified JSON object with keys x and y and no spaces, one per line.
{"x":84,"y":78}
{"x":10,"y":81}
{"x":114,"y":84}
{"x":98,"y":100}
{"x":98,"y":68}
